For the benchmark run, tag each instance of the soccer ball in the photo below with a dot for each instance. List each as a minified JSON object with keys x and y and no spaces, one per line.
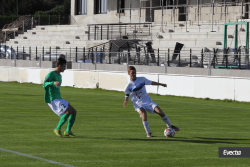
{"x":169,"y":132}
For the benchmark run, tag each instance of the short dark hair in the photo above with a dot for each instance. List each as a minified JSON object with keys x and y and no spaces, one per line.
{"x":60,"y":61}
{"x":131,"y":68}
{"x":62,"y":55}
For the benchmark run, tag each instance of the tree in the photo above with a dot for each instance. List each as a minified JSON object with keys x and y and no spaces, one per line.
{"x":25,"y":7}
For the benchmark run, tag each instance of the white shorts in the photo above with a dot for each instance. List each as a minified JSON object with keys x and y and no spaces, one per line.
{"x":58,"y":106}
{"x":149,"y":107}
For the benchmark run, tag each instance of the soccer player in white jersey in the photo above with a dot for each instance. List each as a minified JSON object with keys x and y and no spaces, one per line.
{"x":141,"y":100}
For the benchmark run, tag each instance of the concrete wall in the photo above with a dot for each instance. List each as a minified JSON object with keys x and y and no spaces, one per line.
{"x":139,"y":68}
{"x":168,"y":15}
{"x":205,"y":14}
{"x":234,"y":88}
{"x":25,"y":63}
{"x":111,"y":16}
{"x":234,"y":13}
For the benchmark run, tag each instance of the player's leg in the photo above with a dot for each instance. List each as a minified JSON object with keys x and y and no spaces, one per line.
{"x":63,"y":119}
{"x":143,"y":114}
{"x":58,"y":106}
{"x":165,"y":118}
{"x":72,"y":117}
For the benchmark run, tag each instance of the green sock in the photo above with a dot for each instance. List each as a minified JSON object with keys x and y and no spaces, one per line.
{"x":62,"y":121}
{"x":71,"y":121}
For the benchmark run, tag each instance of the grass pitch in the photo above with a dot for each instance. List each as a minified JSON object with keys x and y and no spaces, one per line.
{"x":110,"y":135}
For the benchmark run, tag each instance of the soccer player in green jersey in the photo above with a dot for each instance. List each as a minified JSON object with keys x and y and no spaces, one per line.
{"x":52,"y":96}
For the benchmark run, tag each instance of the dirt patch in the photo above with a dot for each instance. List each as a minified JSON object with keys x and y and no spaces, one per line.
{"x":23,"y":22}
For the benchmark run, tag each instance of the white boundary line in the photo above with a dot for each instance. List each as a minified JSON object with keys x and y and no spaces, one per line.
{"x":30,"y":156}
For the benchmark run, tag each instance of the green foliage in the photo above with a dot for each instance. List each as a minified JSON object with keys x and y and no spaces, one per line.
{"x":63,"y":9}
{"x":228,"y":100}
{"x":6,"y":20}
{"x":29,"y":7}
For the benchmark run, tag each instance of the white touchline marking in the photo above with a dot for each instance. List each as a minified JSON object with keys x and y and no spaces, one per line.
{"x":30,"y":156}
{"x":152,"y":99}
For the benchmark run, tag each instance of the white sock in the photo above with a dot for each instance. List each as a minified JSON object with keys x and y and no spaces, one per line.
{"x":166,"y":120}
{"x":146,"y":127}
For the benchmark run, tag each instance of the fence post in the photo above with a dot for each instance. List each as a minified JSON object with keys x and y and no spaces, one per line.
{"x":89,"y":33}
{"x":165,"y":64}
{"x":95,"y":33}
{"x":40,"y":59}
{"x":209,"y":64}
{"x":76,"y":54}
{"x":50,"y":53}
{"x":70,"y":53}
{"x":23,"y":27}
{"x":108,"y":32}
{"x":179,"y":59}
{"x":168,"y":56}
{"x":43,"y":53}
{"x":16,"y":52}
{"x":238,"y":55}
{"x":110,"y":53}
{"x":5,"y":37}
{"x":84,"y":54}
{"x":95,"y":54}
{"x":239,"y":58}
{"x":49,"y":19}
{"x":14,"y":32}
{"x":158,"y":62}
{"x":95,"y":60}
{"x":30,"y":52}
{"x":190,"y":57}
{"x":11,"y":52}
{"x":36,"y":53}
{"x":127,"y":60}
{"x":226,"y":59}
{"x":101,"y":56}
{"x":23,"y":53}
{"x":92,"y":57}
{"x":59,"y":19}
{"x":5,"y":50}
{"x":15,"y":59}
{"x":101,"y":32}
{"x":202,"y":55}
{"x":119,"y":56}
{"x":31,"y":23}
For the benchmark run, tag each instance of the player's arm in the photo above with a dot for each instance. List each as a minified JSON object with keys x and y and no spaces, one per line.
{"x":50,"y":82}
{"x":125,"y":100}
{"x":160,"y":84}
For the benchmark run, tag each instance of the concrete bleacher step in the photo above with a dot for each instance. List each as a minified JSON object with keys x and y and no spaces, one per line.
{"x":47,"y":36}
{"x":52,"y":36}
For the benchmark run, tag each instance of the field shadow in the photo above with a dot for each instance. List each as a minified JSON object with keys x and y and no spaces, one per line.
{"x":21,"y":94}
{"x":198,"y":140}
{"x":219,"y":138}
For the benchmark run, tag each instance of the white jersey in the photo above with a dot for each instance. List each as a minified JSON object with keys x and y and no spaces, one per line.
{"x":137,"y":91}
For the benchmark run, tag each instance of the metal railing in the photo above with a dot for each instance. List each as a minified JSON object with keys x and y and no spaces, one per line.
{"x":171,"y":14}
{"x":205,"y":58}
{"x":119,"y":31}
{"x":31,"y":22}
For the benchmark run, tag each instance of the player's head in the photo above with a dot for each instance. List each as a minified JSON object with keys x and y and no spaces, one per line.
{"x":132,"y":73}
{"x":61,"y":64}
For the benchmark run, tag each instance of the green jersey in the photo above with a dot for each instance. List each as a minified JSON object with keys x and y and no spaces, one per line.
{"x":52,"y":91}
